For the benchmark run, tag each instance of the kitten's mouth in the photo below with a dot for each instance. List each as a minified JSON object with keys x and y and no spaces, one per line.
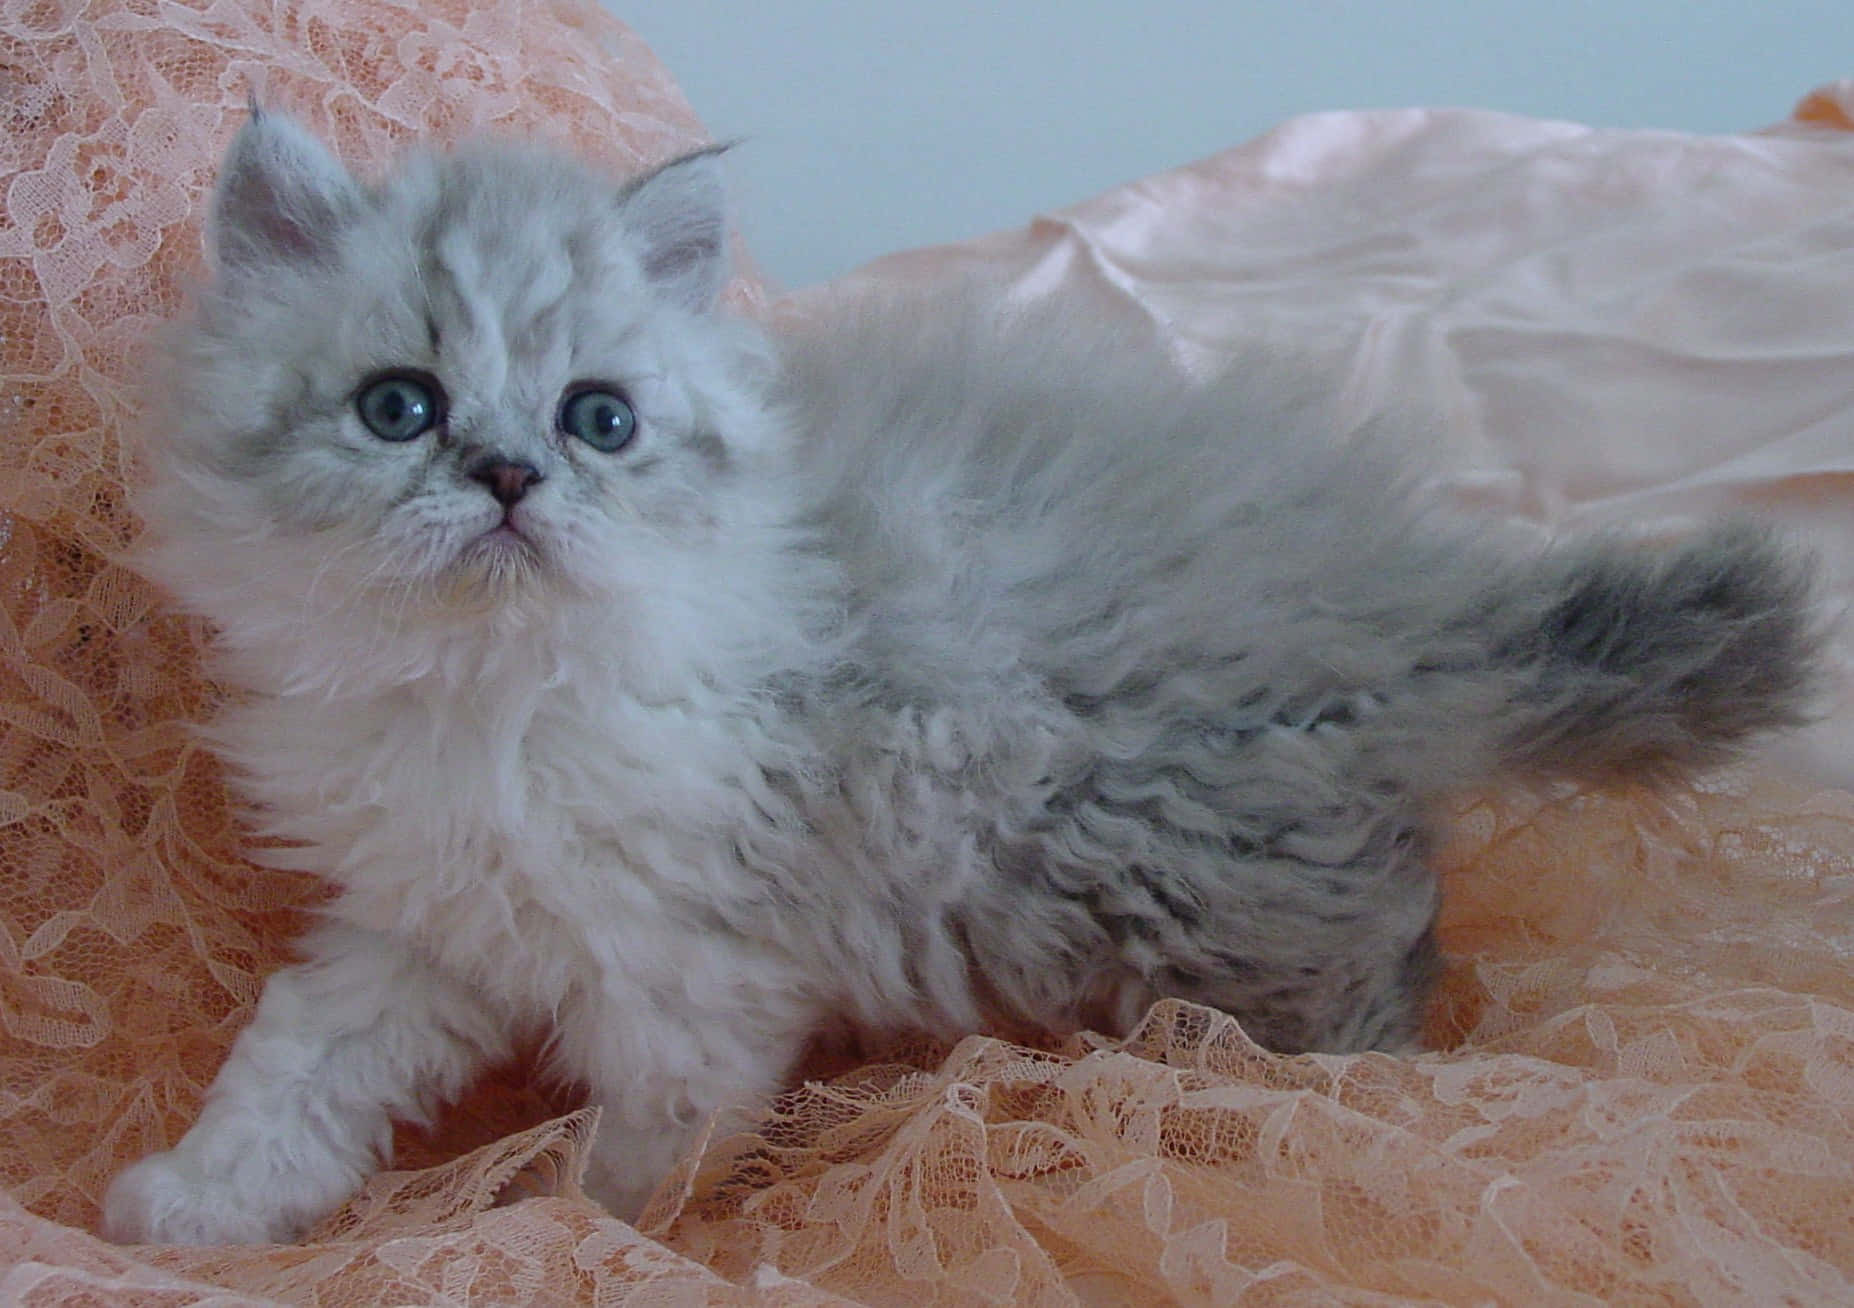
{"x":504,"y":540}
{"x":504,"y":534}
{"x":496,"y":562}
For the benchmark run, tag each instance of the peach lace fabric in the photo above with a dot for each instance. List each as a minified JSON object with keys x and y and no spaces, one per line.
{"x":1643,"y":1089}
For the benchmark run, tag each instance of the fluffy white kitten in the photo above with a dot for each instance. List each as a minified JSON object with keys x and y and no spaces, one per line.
{"x":673,"y":692}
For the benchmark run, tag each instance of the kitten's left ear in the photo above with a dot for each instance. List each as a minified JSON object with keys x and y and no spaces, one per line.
{"x":282,"y":197}
{"x":678,"y":217}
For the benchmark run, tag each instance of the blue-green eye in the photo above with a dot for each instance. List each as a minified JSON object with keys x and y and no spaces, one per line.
{"x":603,"y":419}
{"x":397,"y":407}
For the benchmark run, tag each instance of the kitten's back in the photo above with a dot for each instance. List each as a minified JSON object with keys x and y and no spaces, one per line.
{"x":1019,"y":504}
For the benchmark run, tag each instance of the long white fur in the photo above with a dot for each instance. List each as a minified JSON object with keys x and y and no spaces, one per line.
{"x":474,"y":773}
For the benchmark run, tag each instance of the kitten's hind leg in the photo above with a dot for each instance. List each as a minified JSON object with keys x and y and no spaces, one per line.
{"x":1318,"y":935}
{"x":1335,"y":955}
{"x":361,"y":1032}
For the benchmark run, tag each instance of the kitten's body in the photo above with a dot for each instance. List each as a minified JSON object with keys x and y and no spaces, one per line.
{"x":932,"y":671}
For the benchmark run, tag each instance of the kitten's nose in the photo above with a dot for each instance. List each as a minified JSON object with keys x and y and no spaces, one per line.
{"x":507,"y":479}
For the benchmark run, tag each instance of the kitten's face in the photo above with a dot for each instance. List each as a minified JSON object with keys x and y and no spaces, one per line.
{"x":492,"y":376}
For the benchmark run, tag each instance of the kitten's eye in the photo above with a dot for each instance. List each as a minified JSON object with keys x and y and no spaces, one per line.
{"x":603,"y":419}
{"x":399,"y":408}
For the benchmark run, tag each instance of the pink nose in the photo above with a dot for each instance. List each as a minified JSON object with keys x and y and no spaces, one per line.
{"x":507,"y":479}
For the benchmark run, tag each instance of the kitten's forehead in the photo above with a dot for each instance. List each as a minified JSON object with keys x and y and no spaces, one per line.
{"x":511,"y":244}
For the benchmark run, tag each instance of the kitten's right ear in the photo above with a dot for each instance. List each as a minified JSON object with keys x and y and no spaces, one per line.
{"x":282,"y":197}
{"x":678,"y":216}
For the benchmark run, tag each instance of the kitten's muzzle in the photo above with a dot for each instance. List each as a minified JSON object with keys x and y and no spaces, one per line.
{"x":506,"y":479}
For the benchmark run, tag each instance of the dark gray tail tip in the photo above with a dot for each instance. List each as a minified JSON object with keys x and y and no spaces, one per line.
{"x":1661,"y":661}
{"x":1754,"y":596}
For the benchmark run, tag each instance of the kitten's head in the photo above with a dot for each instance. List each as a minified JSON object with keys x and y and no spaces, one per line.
{"x":493,"y":382}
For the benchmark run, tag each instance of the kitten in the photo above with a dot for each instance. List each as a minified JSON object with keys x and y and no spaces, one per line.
{"x":673,"y":691}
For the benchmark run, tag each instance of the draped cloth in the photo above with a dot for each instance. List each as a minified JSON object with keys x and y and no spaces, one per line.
{"x":1641,"y":1083}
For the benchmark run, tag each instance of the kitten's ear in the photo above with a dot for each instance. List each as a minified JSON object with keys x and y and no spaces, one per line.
{"x":282,"y":197}
{"x":678,"y":217}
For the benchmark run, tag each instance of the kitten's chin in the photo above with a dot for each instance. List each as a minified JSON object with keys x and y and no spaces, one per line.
{"x":492,"y":571}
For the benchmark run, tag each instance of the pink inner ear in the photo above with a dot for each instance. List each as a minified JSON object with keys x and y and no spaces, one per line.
{"x":693,"y":259}
{"x":261,"y":217}
{"x":678,"y":217}
{"x":281,"y":194}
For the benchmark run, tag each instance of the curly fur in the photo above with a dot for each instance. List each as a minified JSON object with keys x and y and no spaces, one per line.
{"x":927,"y":666}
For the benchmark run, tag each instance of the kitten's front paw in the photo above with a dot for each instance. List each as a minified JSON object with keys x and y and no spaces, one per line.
{"x":169,"y":1198}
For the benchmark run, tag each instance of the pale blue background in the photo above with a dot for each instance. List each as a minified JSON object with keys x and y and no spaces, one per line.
{"x":877,"y":126}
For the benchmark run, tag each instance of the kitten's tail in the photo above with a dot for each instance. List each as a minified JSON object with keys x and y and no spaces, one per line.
{"x":1628,"y":660}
